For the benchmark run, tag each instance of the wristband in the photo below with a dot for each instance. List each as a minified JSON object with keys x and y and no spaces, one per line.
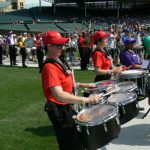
{"x":110,"y":72}
{"x":77,"y":85}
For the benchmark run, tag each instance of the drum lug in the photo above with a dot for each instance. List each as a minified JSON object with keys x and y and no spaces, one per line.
{"x":87,"y":130}
{"x":117,"y":120}
{"x":123,"y":110}
{"x":79,"y":128}
{"x":105,"y":127}
{"x":137,"y":105}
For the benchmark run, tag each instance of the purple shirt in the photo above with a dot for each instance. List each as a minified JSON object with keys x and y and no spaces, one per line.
{"x":8,"y":40}
{"x":1,"y":41}
{"x":129,"y":58}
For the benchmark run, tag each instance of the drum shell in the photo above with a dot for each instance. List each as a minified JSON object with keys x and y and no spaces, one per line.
{"x":129,"y":108}
{"x":94,"y":137}
{"x":128,"y":112}
{"x":139,"y":78}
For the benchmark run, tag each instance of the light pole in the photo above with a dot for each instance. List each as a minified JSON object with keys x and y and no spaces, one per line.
{"x":118,"y":9}
{"x":85,"y":8}
{"x":40,"y":3}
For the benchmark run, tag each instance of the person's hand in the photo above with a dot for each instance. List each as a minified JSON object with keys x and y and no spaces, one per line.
{"x":94,"y":98}
{"x":91,"y":85}
{"x":126,"y":68}
{"x":117,"y":70}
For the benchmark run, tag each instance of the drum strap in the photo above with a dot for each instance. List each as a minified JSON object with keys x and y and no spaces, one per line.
{"x":104,"y":52}
{"x":62,"y":62}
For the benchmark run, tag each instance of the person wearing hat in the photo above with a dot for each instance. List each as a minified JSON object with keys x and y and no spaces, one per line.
{"x":128,"y":57}
{"x":12,"y":49}
{"x":147,"y":44}
{"x":101,"y":58}
{"x":39,"y":50}
{"x":131,"y":60}
{"x":84,"y":49}
{"x":57,"y":83}
{"x":126,"y":35}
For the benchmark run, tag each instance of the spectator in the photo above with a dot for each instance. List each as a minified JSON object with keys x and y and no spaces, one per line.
{"x":147,"y":44}
{"x":1,"y":50}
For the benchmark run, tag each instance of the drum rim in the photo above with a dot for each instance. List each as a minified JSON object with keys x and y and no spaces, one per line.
{"x":130,"y":70}
{"x":140,"y":73}
{"x":102,"y":121}
{"x":113,"y":81}
{"x":103,"y":87}
{"x":124,"y":102}
{"x":128,"y":83}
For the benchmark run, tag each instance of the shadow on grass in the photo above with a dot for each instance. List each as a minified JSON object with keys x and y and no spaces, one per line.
{"x":42,"y":131}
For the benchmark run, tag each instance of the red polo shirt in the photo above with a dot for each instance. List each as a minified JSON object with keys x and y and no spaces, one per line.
{"x":53,"y":75}
{"x":100,"y":60}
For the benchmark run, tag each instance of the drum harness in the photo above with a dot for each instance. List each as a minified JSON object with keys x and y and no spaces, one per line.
{"x":66,"y":68}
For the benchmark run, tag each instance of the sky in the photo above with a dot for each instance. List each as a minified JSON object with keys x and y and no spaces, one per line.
{"x":33,"y":3}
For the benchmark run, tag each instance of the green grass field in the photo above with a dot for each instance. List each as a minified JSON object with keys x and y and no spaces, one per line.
{"x":23,"y":123}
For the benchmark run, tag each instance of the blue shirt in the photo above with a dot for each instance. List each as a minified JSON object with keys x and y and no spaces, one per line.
{"x":124,"y":38}
{"x":129,"y":58}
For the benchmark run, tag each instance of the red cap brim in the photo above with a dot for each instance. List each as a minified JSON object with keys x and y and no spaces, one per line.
{"x":59,"y":41}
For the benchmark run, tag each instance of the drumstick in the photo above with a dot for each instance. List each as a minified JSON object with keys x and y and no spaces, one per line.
{"x":117,"y":88}
{"x":129,"y":67}
{"x":74,"y":83}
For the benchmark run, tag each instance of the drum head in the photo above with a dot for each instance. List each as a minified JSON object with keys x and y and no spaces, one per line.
{"x":126,"y":86}
{"x":104,"y":83}
{"x":101,"y":87}
{"x":97,"y":114}
{"x":122,"y":98}
{"x":135,"y":73}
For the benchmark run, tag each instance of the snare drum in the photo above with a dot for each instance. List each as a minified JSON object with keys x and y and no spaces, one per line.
{"x":127,"y":103}
{"x":101,"y":87}
{"x":132,"y":74}
{"x":138,"y":76}
{"x":98,"y":125}
{"x":123,"y":87}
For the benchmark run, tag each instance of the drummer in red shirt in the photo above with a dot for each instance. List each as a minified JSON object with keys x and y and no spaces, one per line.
{"x":57,"y":87}
{"x":102,"y":61}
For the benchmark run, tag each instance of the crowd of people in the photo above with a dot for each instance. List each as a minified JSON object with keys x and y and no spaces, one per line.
{"x":26,"y":45}
{"x":30,"y":45}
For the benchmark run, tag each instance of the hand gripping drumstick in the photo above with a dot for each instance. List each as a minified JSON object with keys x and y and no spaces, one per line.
{"x":108,"y":93}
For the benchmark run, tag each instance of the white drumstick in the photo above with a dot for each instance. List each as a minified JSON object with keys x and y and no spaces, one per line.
{"x":116,"y":89}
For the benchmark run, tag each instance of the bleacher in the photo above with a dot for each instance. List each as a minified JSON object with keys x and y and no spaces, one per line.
{"x":16,"y":16}
{"x":46,"y":15}
{"x":43,"y":27}
{"x":71,"y":27}
{"x":19,"y":27}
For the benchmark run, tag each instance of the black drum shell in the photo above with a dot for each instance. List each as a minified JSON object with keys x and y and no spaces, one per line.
{"x":128,"y":112}
{"x":97,"y":136}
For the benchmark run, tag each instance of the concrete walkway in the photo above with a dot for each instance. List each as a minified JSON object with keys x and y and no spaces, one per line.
{"x":135,"y":134}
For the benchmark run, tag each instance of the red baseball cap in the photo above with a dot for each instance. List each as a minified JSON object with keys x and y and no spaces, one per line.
{"x":100,"y":35}
{"x":53,"y":37}
{"x":38,"y":35}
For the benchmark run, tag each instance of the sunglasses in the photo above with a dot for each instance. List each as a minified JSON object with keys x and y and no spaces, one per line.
{"x":58,"y":46}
